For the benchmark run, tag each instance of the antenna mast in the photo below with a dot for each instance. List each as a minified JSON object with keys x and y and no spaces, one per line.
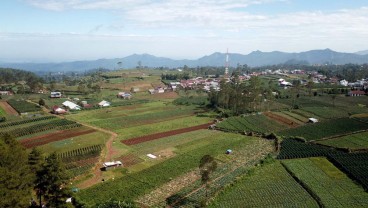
{"x":227,"y":63}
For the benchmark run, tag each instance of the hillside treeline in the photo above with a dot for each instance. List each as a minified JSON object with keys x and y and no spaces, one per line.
{"x":8,"y":75}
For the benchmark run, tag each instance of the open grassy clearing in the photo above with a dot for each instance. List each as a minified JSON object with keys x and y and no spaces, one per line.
{"x":325,"y":129}
{"x":353,"y":141}
{"x":133,"y":185}
{"x":329,"y":185}
{"x":269,"y":185}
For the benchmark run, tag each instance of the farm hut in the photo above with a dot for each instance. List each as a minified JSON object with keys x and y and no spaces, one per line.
{"x":104,"y":103}
{"x":71,"y":105}
{"x":312,"y":120}
{"x":57,"y":110}
{"x":112,"y":164}
{"x":160,"y":90}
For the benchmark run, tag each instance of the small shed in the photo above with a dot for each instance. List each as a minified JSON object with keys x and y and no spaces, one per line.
{"x":55,"y":95}
{"x":312,"y":120}
{"x":229,"y":151}
{"x":104,"y":103}
{"x":57,"y":110}
{"x":71,"y":105}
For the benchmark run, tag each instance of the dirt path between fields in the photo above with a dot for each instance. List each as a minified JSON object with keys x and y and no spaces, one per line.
{"x":106,"y":155}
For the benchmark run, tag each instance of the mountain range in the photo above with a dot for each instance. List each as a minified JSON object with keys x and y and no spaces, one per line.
{"x":253,"y":59}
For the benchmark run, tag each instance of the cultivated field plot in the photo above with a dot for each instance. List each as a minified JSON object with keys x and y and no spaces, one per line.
{"x":130,"y":116}
{"x":6,"y":109}
{"x":320,"y":130}
{"x":136,"y":184}
{"x":327,"y":112}
{"x":298,"y":117}
{"x":269,"y":186}
{"x":283,"y":119}
{"x":22,"y":106}
{"x":353,"y":141}
{"x":332,"y":187}
{"x":252,"y":123}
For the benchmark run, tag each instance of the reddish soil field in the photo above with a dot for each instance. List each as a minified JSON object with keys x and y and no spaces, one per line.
{"x":53,"y":137}
{"x":281,"y":119}
{"x":142,"y":139}
{"x":129,"y":160}
{"x":8,"y":109}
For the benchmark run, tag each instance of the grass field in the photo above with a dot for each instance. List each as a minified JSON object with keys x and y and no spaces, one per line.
{"x":354,"y":141}
{"x":268,"y":186}
{"x":332,"y":187}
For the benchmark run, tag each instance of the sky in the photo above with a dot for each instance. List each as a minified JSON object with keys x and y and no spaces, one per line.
{"x":70,"y":30}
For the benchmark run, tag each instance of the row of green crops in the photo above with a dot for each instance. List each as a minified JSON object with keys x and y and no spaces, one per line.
{"x":60,"y":124}
{"x":22,"y":106}
{"x":267,"y":186}
{"x":252,"y":123}
{"x":136,"y":120}
{"x":292,"y":148}
{"x":80,"y":153}
{"x":353,"y":141}
{"x":354,"y":164}
{"x":331,"y":187}
{"x":324,"y":129}
{"x":15,"y":123}
{"x":327,"y":112}
{"x":225,"y":174}
{"x":133,"y":185}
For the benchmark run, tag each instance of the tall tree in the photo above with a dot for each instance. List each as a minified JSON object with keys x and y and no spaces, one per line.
{"x":15,"y":175}
{"x":51,"y":182}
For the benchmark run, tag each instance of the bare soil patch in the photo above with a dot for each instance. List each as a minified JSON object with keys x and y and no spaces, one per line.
{"x":151,"y":137}
{"x":281,"y":119}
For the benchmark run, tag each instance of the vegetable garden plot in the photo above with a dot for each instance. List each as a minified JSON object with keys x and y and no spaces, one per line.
{"x":354,"y":141}
{"x":354,"y":164}
{"x":129,"y":160}
{"x":269,"y":186}
{"x":325,"y":129}
{"x":138,"y":140}
{"x":48,"y":138}
{"x":59,"y":124}
{"x":332,"y":187}
{"x":134,"y":185}
{"x":254,"y":123}
{"x":22,"y":106}
{"x":7,"y":108}
{"x":282,"y":119}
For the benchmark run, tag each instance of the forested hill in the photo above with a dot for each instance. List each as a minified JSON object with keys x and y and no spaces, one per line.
{"x":8,"y":75}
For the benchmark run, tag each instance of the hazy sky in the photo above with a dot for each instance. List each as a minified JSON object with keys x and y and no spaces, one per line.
{"x":66,"y":30}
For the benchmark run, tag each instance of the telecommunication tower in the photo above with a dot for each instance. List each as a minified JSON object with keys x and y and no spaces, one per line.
{"x":227,"y":63}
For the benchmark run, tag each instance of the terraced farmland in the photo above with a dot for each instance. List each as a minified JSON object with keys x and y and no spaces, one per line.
{"x":251,"y":123}
{"x":268,"y":186}
{"x":353,"y":141}
{"x":334,"y":127}
{"x":328,"y":184}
